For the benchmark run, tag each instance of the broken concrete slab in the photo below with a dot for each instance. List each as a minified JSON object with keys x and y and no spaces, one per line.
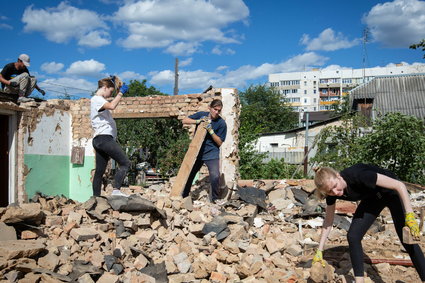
{"x":253,"y":196}
{"x":21,"y":248}
{"x":7,"y":232}
{"x":28,"y":212}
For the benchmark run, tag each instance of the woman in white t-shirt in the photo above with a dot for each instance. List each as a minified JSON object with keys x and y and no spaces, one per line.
{"x":105,"y":133}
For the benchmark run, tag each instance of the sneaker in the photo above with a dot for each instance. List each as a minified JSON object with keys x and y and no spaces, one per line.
{"x":23,"y":99}
{"x":118,"y":193}
{"x":220,"y":202}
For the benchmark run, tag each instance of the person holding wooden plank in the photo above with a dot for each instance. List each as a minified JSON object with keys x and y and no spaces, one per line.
{"x":376,"y":188}
{"x":210,"y":150}
{"x":105,"y":133}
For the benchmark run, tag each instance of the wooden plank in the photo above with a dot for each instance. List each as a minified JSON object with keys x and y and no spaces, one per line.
{"x":144,"y":115}
{"x":189,"y":161}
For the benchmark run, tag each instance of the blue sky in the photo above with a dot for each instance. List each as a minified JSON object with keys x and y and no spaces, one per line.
{"x":224,"y":43}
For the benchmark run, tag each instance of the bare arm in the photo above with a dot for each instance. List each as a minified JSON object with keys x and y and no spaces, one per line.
{"x":399,"y":187}
{"x":113,"y":104}
{"x":327,"y":225}
{"x":189,"y":121}
{"x":3,"y":80}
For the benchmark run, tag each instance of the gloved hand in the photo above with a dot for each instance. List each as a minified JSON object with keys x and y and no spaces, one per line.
{"x":13,"y":84}
{"x":318,"y":257}
{"x":42,"y":91}
{"x":124,"y":89}
{"x":411,"y":222}
{"x":209,"y":129}
{"x":202,"y":119}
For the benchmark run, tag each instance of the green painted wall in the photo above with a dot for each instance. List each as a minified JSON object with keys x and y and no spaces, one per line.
{"x":56,"y":175}
{"x":48,"y":174}
{"x":80,"y":186}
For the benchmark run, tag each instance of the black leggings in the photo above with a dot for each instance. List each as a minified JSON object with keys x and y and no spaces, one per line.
{"x":365,"y":215}
{"x":106,"y":147}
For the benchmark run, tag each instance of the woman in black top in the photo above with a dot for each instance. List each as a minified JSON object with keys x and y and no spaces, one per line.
{"x":376,"y":188}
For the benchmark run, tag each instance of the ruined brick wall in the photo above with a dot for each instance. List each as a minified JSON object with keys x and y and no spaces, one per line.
{"x":80,"y":130}
{"x":142,"y":107}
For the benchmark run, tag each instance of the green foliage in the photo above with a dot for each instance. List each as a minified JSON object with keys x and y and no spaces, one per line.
{"x":341,"y":107}
{"x":263,"y":110}
{"x":396,"y":142}
{"x":264,"y":107}
{"x":160,"y":137}
{"x":337,"y":146}
{"x":419,"y":45}
{"x":137,"y":88}
{"x":172,"y":156}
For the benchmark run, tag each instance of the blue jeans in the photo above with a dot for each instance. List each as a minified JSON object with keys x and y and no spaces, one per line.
{"x":214,"y":173}
{"x":106,"y":147}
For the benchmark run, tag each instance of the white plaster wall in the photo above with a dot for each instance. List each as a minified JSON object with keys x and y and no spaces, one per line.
{"x":87,"y":144}
{"x":230,"y":147}
{"x":52,"y":135}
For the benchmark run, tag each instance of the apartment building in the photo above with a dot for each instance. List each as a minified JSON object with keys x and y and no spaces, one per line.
{"x":318,"y":90}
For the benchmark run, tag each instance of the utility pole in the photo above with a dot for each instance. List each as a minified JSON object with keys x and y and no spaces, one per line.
{"x":365,"y":40}
{"x":306,"y":145}
{"x":176,"y":77}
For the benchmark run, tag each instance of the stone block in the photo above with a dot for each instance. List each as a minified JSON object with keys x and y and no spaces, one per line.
{"x":84,"y":234}
{"x":146,"y":236}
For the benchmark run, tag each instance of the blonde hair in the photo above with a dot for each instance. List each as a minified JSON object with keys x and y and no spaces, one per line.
{"x":321,"y":178}
{"x":112,"y":81}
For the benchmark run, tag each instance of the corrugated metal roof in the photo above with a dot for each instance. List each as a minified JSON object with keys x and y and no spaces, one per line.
{"x":400,"y":93}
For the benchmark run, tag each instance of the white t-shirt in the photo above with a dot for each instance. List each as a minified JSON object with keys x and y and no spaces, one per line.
{"x":102,"y":122}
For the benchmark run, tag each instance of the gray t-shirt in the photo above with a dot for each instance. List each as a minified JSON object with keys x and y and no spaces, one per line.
{"x":102,"y":121}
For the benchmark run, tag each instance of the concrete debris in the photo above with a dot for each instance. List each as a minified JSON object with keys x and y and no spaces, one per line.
{"x":266,"y":233}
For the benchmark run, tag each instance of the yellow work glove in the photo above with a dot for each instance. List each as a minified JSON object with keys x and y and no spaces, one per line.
{"x":411,"y":222}
{"x":209,"y":129}
{"x":318,"y":257}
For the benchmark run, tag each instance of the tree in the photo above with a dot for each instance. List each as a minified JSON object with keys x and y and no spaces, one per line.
{"x":395,"y":142}
{"x":263,"y":110}
{"x":337,"y":146}
{"x":266,"y":108}
{"x":419,"y":45}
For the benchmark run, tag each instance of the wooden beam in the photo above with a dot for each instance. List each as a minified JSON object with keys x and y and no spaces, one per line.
{"x":189,"y":161}
{"x":144,"y":115}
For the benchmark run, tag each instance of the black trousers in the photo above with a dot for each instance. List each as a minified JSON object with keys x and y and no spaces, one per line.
{"x":366,"y":213}
{"x":106,"y":147}
{"x":214,"y":175}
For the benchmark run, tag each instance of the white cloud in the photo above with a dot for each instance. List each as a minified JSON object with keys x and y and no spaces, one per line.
{"x":328,"y":41}
{"x":5,"y":26}
{"x":218,"y":50}
{"x":397,"y":24}
{"x":187,"y":62}
{"x":62,"y":23}
{"x":335,"y":68}
{"x":182,"y":48}
{"x":235,"y":78}
{"x":95,"y":39}
{"x":52,"y":67}
{"x":160,"y":23}
{"x":221,"y":68}
{"x":90,"y":68}
{"x":130,"y":75}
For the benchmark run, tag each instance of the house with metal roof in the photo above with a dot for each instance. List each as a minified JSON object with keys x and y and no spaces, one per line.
{"x":397,"y":93}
